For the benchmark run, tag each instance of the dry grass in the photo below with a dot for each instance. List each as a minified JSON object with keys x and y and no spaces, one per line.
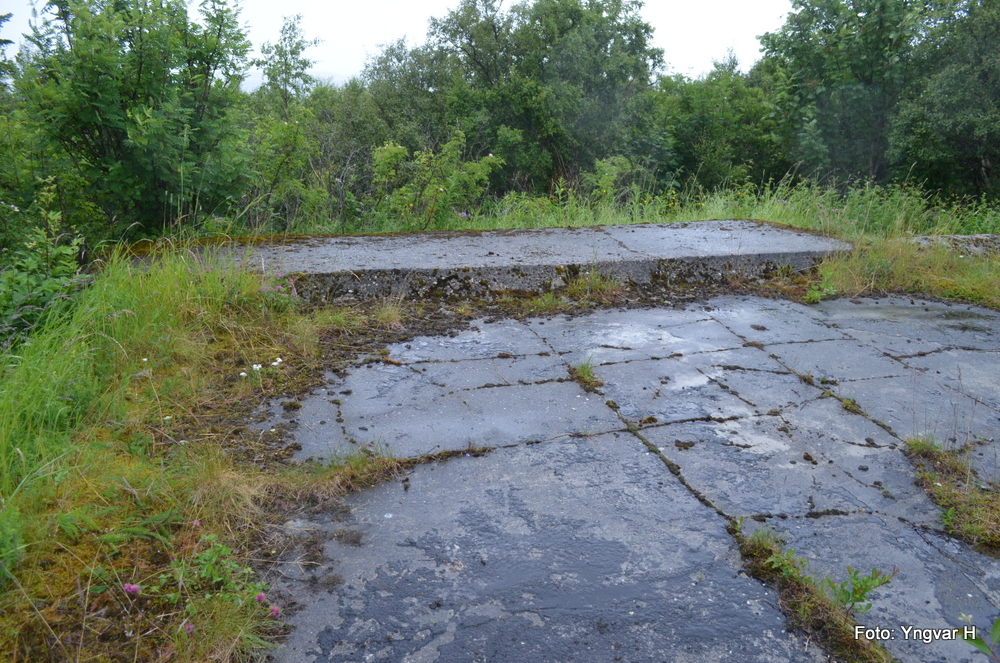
{"x":388,"y":314}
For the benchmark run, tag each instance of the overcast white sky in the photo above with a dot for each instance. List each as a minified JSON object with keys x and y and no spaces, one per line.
{"x":691,"y":33}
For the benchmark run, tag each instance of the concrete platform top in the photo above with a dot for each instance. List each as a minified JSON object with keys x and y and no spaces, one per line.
{"x":483,"y":263}
{"x":540,"y":246}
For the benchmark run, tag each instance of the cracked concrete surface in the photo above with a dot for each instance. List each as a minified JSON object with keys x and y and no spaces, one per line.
{"x":486,"y":263}
{"x":573,"y":540}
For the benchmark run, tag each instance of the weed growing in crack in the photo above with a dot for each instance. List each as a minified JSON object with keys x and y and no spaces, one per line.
{"x":852,"y":593}
{"x":583,"y":374}
{"x":851,"y":406}
{"x":971,"y":508}
{"x":825,"y":615}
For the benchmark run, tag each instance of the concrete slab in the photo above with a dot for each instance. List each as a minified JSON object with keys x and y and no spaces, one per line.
{"x":914,"y":407}
{"x":755,"y":378}
{"x":770,"y":322}
{"x":927,"y":325}
{"x":938,"y":581}
{"x":836,"y":361}
{"x":480,"y":341}
{"x":630,"y":338}
{"x":765,"y":466}
{"x":577,"y":550}
{"x":576,"y":541}
{"x":479,"y":264}
{"x":968,"y":372}
{"x":667,"y":390}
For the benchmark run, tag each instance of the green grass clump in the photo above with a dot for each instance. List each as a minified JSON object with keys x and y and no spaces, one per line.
{"x":592,"y":286}
{"x":807,"y":604}
{"x":583,"y":374}
{"x":971,"y":512}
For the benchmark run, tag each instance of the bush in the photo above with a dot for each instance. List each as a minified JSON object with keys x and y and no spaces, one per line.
{"x":431,"y":188}
{"x":38,"y":274}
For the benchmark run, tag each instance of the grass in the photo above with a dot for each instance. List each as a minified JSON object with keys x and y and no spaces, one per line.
{"x":592,"y":286}
{"x":804,"y":601}
{"x":130,"y":502}
{"x":583,"y":374}
{"x":971,"y":512}
{"x":389,"y":314}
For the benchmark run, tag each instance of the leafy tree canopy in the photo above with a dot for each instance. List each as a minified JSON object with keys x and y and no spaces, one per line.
{"x":139,"y":93}
{"x":549,"y":85}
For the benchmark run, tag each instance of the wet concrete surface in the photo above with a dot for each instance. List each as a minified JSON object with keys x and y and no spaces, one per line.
{"x":574,"y":540}
{"x":483,"y":263}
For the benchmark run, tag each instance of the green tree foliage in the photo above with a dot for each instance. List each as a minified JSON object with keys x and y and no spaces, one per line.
{"x":285,"y":68}
{"x":549,"y":85}
{"x":722,"y":128}
{"x":411,"y":90}
{"x":138,"y":94}
{"x":842,"y":67}
{"x":431,"y":188}
{"x":947,"y":132}
{"x":6,"y":66}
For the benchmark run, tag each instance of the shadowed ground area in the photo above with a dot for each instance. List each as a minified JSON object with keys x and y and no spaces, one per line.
{"x":596,"y":528}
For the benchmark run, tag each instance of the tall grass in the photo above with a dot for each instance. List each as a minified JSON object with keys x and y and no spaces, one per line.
{"x":83,"y":401}
{"x":858,"y":210}
{"x":129,"y":322}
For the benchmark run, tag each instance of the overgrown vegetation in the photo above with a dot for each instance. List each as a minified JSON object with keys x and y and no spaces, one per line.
{"x":132,"y":114}
{"x":971,"y":506}
{"x":130,"y":498}
{"x":825,"y":610}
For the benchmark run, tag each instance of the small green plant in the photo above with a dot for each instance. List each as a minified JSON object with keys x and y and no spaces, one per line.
{"x":583,"y":373}
{"x":594,"y":286}
{"x":818,"y":293}
{"x":851,"y":405}
{"x":852,"y":593}
{"x":545,"y":303}
{"x":38,"y":273}
{"x":990,"y":648}
{"x":787,"y":564}
{"x":210,"y":571}
{"x":948,"y":520}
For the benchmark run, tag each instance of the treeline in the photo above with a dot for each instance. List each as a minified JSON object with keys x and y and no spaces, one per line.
{"x":126,"y":118}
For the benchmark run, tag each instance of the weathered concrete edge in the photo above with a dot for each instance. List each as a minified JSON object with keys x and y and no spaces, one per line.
{"x":489,"y":282}
{"x":974,"y":245}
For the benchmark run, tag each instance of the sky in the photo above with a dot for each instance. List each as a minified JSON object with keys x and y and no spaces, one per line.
{"x":692,"y":34}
